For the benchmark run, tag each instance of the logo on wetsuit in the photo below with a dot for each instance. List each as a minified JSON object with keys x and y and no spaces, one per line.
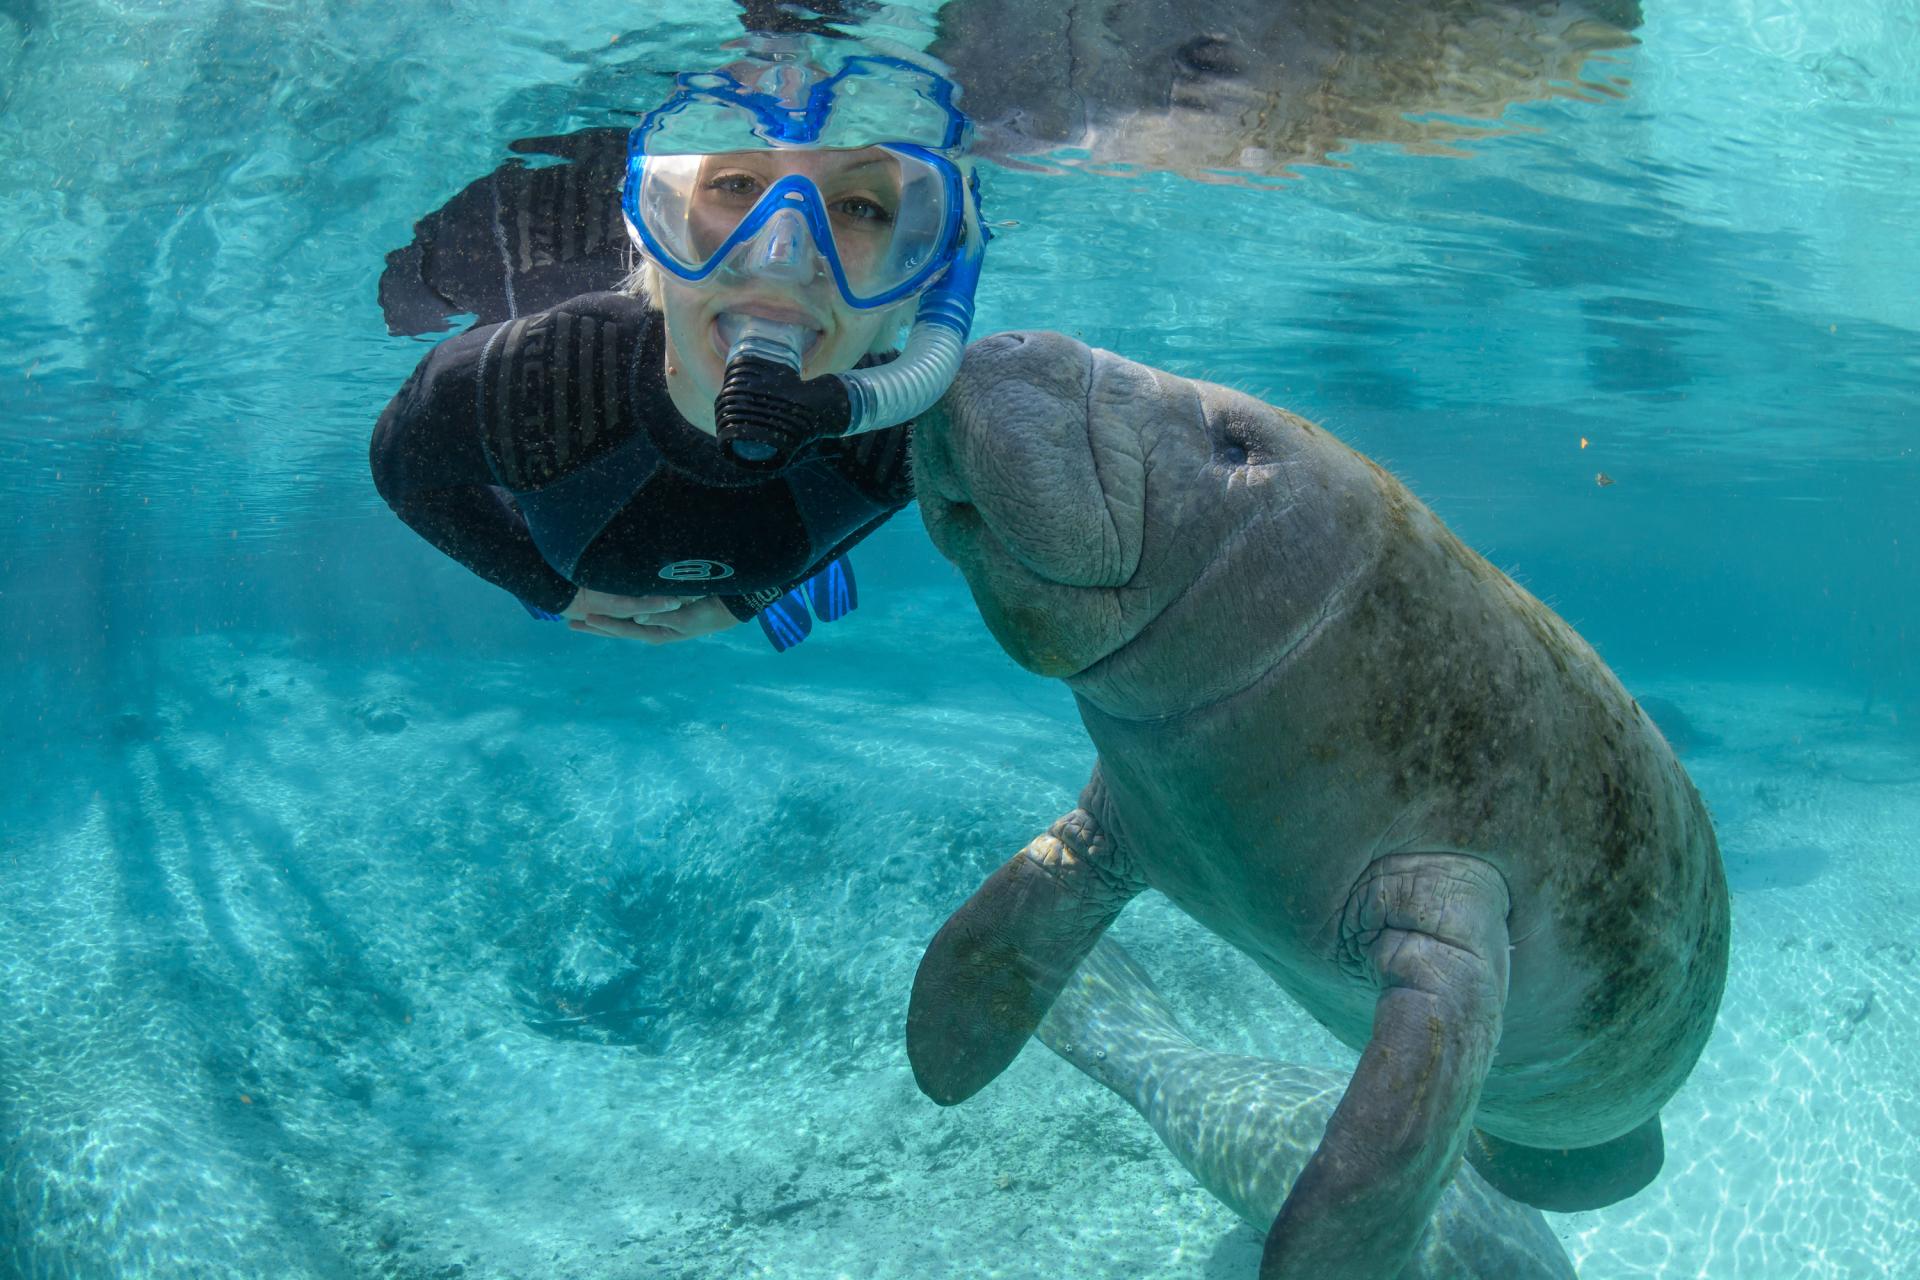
{"x":696,"y":571}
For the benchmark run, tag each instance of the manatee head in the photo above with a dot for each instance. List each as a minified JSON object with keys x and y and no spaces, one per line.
{"x":1159,"y":543}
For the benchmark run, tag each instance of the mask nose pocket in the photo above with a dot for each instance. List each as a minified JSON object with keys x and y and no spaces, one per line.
{"x":782,"y":251}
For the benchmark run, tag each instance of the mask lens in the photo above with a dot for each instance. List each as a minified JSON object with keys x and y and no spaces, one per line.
{"x":887,"y":215}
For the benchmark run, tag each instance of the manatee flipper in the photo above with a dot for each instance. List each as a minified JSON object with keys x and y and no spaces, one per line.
{"x":995,"y":967}
{"x":1430,"y":932}
{"x":1571,"y":1180}
{"x":1245,"y":1127}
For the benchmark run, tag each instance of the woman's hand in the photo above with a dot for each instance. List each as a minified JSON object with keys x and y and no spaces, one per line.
{"x":654,"y":619}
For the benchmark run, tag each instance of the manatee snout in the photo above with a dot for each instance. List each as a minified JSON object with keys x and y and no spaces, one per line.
{"x":1156,"y":540}
{"x":1034,"y":485}
{"x":1016,"y":441}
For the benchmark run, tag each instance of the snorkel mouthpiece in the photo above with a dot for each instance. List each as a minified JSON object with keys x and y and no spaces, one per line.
{"x":765,"y":411}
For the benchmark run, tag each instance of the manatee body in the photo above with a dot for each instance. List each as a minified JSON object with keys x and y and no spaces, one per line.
{"x":1342,"y":741}
{"x":1244,"y":1127}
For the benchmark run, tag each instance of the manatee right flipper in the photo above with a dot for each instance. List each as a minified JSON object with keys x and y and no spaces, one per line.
{"x":994,"y":968}
{"x":1429,"y":932}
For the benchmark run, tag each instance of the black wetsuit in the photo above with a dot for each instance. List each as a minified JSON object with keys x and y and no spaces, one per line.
{"x":545,"y":454}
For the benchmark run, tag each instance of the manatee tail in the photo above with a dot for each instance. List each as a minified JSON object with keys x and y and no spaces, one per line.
{"x":1245,"y":1127}
{"x":1109,"y":1004}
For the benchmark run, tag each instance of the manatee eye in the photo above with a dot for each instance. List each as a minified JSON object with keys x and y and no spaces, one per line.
{"x":1232,"y":445}
{"x":1233,"y":439}
{"x":1208,"y":55}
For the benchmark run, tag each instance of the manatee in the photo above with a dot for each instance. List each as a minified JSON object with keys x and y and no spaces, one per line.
{"x":1345,"y":743}
{"x":1244,"y":1127}
{"x":1181,"y":85}
{"x":1199,"y":86}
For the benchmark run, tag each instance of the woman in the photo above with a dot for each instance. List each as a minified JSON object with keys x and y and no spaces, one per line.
{"x":703,"y":446}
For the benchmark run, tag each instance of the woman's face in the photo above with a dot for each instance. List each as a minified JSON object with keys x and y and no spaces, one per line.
{"x":779,"y":275}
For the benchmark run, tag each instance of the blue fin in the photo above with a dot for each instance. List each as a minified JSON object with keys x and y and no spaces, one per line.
{"x":786,"y":621}
{"x":832,"y":591}
{"x":535,"y":611}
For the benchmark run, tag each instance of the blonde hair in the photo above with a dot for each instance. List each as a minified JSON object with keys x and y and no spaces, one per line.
{"x":643,"y":281}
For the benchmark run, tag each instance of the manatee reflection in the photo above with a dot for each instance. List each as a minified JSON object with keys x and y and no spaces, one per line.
{"x":1243,"y":86}
{"x":1196,"y":86}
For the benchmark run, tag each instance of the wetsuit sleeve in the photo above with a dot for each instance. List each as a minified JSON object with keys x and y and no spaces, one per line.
{"x":878,"y":464}
{"x":744,"y":608}
{"x":429,"y":464}
{"x":747,"y":606}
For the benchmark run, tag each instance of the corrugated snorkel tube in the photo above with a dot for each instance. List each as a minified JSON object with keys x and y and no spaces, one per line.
{"x":907,"y":386}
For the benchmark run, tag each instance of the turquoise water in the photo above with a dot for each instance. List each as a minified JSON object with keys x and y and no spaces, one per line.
{"x":354,"y":925}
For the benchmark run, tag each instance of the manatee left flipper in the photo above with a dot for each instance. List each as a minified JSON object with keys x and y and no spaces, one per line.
{"x":1430,"y":931}
{"x":993,"y":970}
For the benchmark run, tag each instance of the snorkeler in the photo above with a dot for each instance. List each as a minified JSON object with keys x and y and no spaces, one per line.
{"x":704,"y":444}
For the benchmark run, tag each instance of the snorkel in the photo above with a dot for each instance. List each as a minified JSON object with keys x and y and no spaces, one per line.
{"x":764,"y":403}
{"x":774,"y":221}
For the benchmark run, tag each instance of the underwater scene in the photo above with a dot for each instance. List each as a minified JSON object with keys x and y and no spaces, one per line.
{"x":1370,"y":727}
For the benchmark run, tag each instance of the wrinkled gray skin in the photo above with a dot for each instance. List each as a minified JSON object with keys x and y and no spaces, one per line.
{"x":1342,"y":741}
{"x":1255,"y":85}
{"x":1244,"y":1127}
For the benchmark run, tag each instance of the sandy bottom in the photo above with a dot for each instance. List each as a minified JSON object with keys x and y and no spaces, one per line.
{"x":595,"y":965}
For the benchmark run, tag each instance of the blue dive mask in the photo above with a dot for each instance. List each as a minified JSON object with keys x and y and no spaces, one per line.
{"x":850,"y":178}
